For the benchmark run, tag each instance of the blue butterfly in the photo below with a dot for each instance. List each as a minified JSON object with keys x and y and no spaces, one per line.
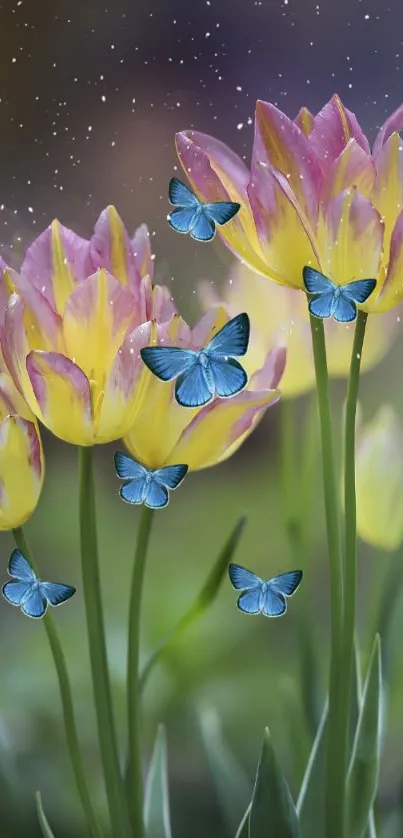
{"x":194,"y":217}
{"x":203,"y":373}
{"x":338,"y":301}
{"x":263,"y":597}
{"x":144,"y":485}
{"x":28,"y":592}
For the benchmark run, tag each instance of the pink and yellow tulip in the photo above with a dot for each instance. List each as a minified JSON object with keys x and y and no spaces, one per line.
{"x":315,"y":195}
{"x":279,"y":316}
{"x":21,"y":458}
{"x":164,"y":433}
{"x":74,"y":319}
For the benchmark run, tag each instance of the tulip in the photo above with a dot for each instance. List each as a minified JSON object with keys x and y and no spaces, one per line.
{"x":314,"y":195}
{"x":164,"y":433}
{"x":279,"y":316}
{"x":22,"y":464}
{"x":73,"y":324}
{"x":379,"y":480}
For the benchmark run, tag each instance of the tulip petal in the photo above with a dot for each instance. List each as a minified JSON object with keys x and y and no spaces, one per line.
{"x":392,"y":291}
{"x":159,"y":420}
{"x":287,"y":149}
{"x":272,"y":371}
{"x":11,"y":400}
{"x":54,"y":262}
{"x":333,"y":127}
{"x":353,"y":167}
{"x":63,"y":396}
{"x":279,"y":222}
{"x":15,"y":346}
{"x":142,"y":256}
{"x":217,"y":174}
{"x":388,"y":187}
{"x":47,"y":322}
{"x":123,"y":394}
{"x":98,"y":316}
{"x":209,"y":325}
{"x":111,"y":249}
{"x":394,"y":123}
{"x":219,"y":429}
{"x":379,"y":481}
{"x":350,"y":238}
{"x":21,"y":471}
{"x":305,"y":120}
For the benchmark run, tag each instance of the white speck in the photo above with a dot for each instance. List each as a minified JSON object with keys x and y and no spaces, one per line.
{"x":240,"y":125}
{"x":30,"y":209}
{"x":103,"y":98}
{"x":366,"y":17}
{"x":207,"y":35}
{"x":239,"y":88}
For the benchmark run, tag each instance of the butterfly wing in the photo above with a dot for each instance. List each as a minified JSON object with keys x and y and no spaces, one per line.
{"x":345,"y":310}
{"x":156,"y":496}
{"x":274,"y":604}
{"x":16,"y":592}
{"x":232,"y":339}
{"x":127,"y":468}
{"x":286,"y":583}
{"x":192,"y":388}
{"x":241,"y":578}
{"x":249,"y":601}
{"x":221,"y":211}
{"x":359,"y":290}
{"x":170,"y":476}
{"x":316,"y":282}
{"x":57,"y":592}
{"x":229,"y":377}
{"x":35,"y":604}
{"x":180,"y":195}
{"x":203,"y":229}
{"x":183,"y":220}
{"x":167,"y":362}
{"x":20,"y":568}
{"x":322,"y":306}
{"x":134,"y":491}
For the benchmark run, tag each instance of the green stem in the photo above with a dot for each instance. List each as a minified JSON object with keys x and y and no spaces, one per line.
{"x":350,"y":536}
{"x":335,"y":777}
{"x":97,"y":647}
{"x":135,"y":779}
{"x":73,"y":742}
{"x":289,"y":467}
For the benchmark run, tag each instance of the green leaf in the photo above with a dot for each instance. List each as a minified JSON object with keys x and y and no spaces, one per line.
{"x":156,"y":800}
{"x":231,"y":781}
{"x":243,"y":829}
{"x":363,"y":771}
{"x":311,"y":799}
{"x":272,"y":811}
{"x":43,"y":823}
{"x":204,"y":599}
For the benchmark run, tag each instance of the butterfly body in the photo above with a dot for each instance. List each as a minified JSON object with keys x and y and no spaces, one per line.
{"x":28,"y":592}
{"x":331,"y":300}
{"x":144,"y":485}
{"x":194,"y":217}
{"x":209,"y":371}
{"x":260,"y":596}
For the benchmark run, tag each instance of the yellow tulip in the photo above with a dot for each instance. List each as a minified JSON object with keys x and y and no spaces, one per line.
{"x":163,"y":433}
{"x":379,"y":480}
{"x":74,"y":325}
{"x":21,"y":458}
{"x":279,"y":316}
{"x":314,"y":195}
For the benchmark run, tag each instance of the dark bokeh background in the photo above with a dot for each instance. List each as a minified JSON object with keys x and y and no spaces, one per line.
{"x":91,"y":95}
